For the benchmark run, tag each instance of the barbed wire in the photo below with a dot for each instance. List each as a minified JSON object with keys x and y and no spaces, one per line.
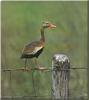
{"x":43,"y":69}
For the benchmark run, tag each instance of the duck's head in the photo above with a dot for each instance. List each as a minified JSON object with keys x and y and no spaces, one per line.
{"x":47,"y":24}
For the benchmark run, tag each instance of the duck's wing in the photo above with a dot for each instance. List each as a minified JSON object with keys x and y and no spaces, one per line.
{"x":32,"y":48}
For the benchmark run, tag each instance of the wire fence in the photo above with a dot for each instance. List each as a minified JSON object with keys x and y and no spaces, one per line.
{"x":35,"y":89}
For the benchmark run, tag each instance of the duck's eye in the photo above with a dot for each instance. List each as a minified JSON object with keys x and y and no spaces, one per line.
{"x":47,"y":23}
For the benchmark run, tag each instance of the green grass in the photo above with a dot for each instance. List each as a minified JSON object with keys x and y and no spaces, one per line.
{"x":20,"y":25}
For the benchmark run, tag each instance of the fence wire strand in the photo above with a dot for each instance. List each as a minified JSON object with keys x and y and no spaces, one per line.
{"x":44,"y":69}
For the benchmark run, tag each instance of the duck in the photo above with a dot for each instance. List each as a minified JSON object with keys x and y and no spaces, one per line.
{"x":35,"y":48}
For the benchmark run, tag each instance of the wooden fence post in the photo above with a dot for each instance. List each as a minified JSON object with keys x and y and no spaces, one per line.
{"x":60,"y":77}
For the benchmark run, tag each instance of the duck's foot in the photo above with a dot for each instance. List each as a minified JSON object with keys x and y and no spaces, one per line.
{"x":42,"y":68}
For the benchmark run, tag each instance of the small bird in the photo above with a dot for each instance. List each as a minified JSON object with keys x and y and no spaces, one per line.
{"x":34,"y":49}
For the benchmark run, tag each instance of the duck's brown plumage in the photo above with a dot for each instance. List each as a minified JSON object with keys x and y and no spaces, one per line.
{"x":33,"y":49}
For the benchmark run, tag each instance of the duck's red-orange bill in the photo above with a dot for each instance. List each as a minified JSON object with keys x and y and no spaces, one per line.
{"x":52,"y":26}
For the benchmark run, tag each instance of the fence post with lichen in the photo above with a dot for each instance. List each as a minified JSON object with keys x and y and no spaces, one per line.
{"x":60,"y":77}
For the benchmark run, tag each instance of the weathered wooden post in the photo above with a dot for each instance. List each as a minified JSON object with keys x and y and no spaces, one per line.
{"x":60,"y":77}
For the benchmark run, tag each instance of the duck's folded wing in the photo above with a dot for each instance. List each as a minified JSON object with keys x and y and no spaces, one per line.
{"x":32,"y":48}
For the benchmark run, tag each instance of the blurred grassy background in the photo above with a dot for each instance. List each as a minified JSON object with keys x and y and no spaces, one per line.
{"x":20,"y":25}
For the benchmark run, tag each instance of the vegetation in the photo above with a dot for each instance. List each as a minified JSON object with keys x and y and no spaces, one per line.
{"x":20,"y":25}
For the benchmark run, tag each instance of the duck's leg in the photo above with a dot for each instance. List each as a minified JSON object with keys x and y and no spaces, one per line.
{"x":25,"y":64}
{"x":39,"y":66}
{"x":36,"y":63}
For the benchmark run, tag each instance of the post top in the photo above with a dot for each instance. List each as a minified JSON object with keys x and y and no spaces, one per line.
{"x":60,"y":58}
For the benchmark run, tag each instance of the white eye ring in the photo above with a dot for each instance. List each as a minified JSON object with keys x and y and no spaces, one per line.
{"x":45,"y":22}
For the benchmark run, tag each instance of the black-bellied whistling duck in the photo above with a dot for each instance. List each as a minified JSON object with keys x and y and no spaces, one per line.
{"x":34,"y":49}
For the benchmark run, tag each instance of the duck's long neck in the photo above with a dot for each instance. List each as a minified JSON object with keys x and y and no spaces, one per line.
{"x":42,"y":35}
